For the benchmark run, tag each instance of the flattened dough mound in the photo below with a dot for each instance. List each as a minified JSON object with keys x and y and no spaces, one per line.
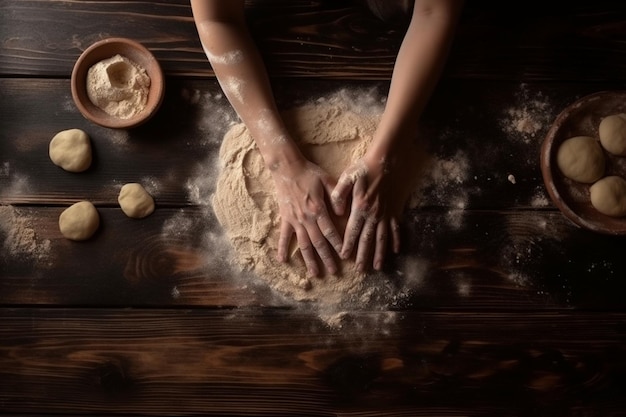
{"x":608,"y":196}
{"x":612,"y":132}
{"x":135,"y":201}
{"x":581,"y":159}
{"x":71,"y":150}
{"x":79,"y":221}
{"x":329,"y":134}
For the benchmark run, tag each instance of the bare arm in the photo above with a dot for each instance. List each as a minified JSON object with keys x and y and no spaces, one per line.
{"x":416,"y":71}
{"x":300,"y":185}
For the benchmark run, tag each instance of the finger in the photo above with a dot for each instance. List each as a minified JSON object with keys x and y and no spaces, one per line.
{"x":381,"y":244}
{"x":355,"y":223}
{"x":330,"y":232}
{"x":284,"y":240}
{"x":339,"y":195}
{"x":353,"y":230}
{"x":329,"y":183}
{"x":395,"y":234}
{"x":323,"y":249}
{"x":307,"y":251}
{"x":366,"y":243}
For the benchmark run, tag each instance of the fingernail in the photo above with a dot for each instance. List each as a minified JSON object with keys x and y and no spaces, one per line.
{"x":377,"y":265}
{"x":359,"y":267}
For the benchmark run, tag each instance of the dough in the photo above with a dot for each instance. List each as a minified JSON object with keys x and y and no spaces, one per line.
{"x":135,"y":201}
{"x":581,"y":159}
{"x":612,"y":132}
{"x":330,"y":134}
{"x":608,"y":196}
{"x":71,"y":150}
{"x":79,"y":221}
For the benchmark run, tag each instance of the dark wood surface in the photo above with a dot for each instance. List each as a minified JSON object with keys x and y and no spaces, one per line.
{"x":517,"y":311}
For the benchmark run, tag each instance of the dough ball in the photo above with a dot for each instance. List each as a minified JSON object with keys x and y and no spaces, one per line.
{"x":79,"y":221}
{"x":608,"y":196}
{"x":71,"y":150}
{"x":612,"y":132}
{"x":135,"y":201}
{"x":581,"y":159}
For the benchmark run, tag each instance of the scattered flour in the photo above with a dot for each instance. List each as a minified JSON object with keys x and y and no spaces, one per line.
{"x":445,"y":184}
{"x":531,"y":115}
{"x":19,"y":183}
{"x":19,"y":239}
{"x":5,"y":169}
{"x":540,"y":199}
{"x":358,"y":112}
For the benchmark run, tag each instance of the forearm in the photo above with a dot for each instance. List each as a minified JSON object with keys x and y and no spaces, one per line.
{"x":240,"y":71}
{"x":417,"y":69}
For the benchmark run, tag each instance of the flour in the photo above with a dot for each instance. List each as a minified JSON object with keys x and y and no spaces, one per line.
{"x":118,"y":86}
{"x":526,"y":119}
{"x":234,"y":87}
{"x":244,"y":202}
{"x":331,"y":134}
{"x":227,"y":58}
{"x":5,"y":169}
{"x":18,"y":238}
{"x":445,"y":184}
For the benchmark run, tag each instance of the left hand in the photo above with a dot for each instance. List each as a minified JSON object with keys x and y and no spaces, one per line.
{"x":370,"y":224}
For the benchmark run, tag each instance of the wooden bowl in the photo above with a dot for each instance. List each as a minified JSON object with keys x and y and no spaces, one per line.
{"x":582,"y":118}
{"x":105,"y":49}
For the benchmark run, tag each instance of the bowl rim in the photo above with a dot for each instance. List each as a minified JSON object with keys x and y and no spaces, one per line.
{"x":97,"y":115}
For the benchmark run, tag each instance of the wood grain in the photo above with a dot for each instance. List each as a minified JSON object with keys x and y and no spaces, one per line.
{"x":497,"y":304}
{"x":553,"y":41}
{"x":269,"y":362}
{"x":475,"y":140}
{"x":482,"y":260}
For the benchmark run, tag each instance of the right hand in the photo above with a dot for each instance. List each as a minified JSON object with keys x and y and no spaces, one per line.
{"x":301,"y":191}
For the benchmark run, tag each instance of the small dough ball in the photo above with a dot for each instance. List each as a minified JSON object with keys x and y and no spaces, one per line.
{"x":71,"y":150}
{"x":581,"y":159}
{"x":608,"y":196}
{"x":79,"y":221}
{"x":612,"y":132}
{"x":135,"y":201}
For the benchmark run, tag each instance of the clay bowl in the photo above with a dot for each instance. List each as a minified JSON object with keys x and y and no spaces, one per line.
{"x":572,"y":199}
{"x":105,"y":49}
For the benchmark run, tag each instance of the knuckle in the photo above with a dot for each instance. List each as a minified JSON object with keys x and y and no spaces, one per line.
{"x":306,"y":248}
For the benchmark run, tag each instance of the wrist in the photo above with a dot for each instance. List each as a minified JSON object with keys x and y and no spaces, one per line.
{"x":284,"y":159}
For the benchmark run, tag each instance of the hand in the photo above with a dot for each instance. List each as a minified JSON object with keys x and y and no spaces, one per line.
{"x":301,"y":195}
{"x":369,"y":222}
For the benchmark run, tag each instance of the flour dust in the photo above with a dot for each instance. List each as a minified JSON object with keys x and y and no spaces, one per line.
{"x":528,"y":117}
{"x":19,"y":239}
{"x":448,"y":182}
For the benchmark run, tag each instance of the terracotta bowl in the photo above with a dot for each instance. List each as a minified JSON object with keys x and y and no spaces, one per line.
{"x":582,"y":118}
{"x":105,"y":49}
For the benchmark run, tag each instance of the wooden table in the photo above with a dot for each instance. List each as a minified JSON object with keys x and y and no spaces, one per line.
{"x":514,"y":311}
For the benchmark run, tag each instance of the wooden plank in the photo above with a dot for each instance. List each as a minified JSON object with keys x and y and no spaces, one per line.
{"x":273,"y":362}
{"x":451,"y":260}
{"x":478,"y":134}
{"x":306,"y":33}
{"x":326,"y":39}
